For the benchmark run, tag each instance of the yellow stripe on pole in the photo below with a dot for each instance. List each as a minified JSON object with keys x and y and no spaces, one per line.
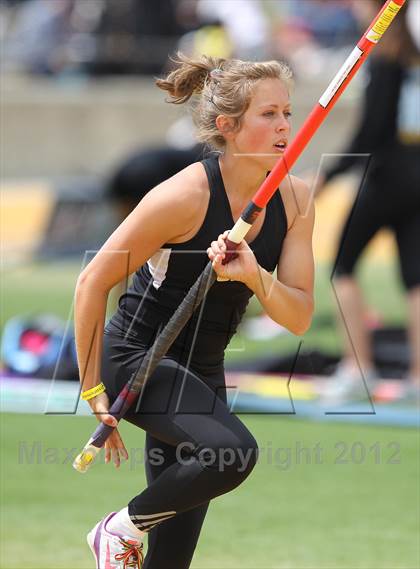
{"x":383,"y":22}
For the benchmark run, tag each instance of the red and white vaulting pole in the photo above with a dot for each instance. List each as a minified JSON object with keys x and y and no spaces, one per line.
{"x":320,"y":111}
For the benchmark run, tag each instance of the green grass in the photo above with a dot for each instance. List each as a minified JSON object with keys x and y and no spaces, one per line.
{"x":296,"y":516}
{"x":49,"y":288}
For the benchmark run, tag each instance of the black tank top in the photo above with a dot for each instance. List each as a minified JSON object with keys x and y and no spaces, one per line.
{"x":159,"y":286}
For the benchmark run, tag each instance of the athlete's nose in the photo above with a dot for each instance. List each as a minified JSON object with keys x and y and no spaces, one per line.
{"x":283,"y":124}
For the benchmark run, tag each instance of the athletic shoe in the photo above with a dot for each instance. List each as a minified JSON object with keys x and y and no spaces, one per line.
{"x":114,"y":551}
{"x":410,"y":392}
{"x":347,"y":385}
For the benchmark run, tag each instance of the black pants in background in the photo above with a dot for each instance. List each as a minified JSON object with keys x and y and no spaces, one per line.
{"x":389,"y":198}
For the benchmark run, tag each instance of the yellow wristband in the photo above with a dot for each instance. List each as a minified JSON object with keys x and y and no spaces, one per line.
{"x":93,"y":392}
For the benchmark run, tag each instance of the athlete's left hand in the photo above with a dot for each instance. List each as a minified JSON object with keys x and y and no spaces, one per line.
{"x":243,"y":268}
{"x":115,"y":449}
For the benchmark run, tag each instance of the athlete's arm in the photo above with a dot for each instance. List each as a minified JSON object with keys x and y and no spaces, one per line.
{"x":163,"y":215}
{"x":287,"y":299}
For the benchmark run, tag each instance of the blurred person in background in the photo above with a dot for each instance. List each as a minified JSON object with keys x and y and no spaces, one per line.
{"x":37,"y":31}
{"x":135,"y":36}
{"x":244,"y":21}
{"x":330,"y":22}
{"x":389,"y":132}
{"x":312,"y":35}
{"x":90,"y":36}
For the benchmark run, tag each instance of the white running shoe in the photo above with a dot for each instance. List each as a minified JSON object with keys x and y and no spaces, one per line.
{"x":348,"y":385}
{"x":410,"y":391}
{"x":114,"y":551}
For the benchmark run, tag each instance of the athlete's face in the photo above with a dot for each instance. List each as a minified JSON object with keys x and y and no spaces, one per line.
{"x":265,"y":127}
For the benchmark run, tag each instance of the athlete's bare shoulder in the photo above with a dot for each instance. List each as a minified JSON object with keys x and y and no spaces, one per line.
{"x":179,"y":203}
{"x":192,"y":182}
{"x":187,"y":190}
{"x":297,"y":198}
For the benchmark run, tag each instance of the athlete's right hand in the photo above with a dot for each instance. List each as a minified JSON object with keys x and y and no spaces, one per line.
{"x":114,"y":445}
{"x":100,"y":406}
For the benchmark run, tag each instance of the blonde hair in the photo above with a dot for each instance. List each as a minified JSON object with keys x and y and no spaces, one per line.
{"x":222,"y":87}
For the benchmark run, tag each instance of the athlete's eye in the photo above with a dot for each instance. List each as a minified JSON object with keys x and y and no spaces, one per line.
{"x":288,"y":114}
{"x":268,"y":114}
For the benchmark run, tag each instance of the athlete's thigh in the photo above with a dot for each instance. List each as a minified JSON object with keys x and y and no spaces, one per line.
{"x":175,"y":405}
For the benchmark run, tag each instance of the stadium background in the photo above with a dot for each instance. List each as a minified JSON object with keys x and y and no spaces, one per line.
{"x":330,"y":491}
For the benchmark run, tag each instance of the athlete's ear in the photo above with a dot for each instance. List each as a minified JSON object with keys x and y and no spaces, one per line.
{"x":225,"y":125}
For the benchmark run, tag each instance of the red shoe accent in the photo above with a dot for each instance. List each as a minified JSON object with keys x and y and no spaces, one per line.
{"x":132,"y":554}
